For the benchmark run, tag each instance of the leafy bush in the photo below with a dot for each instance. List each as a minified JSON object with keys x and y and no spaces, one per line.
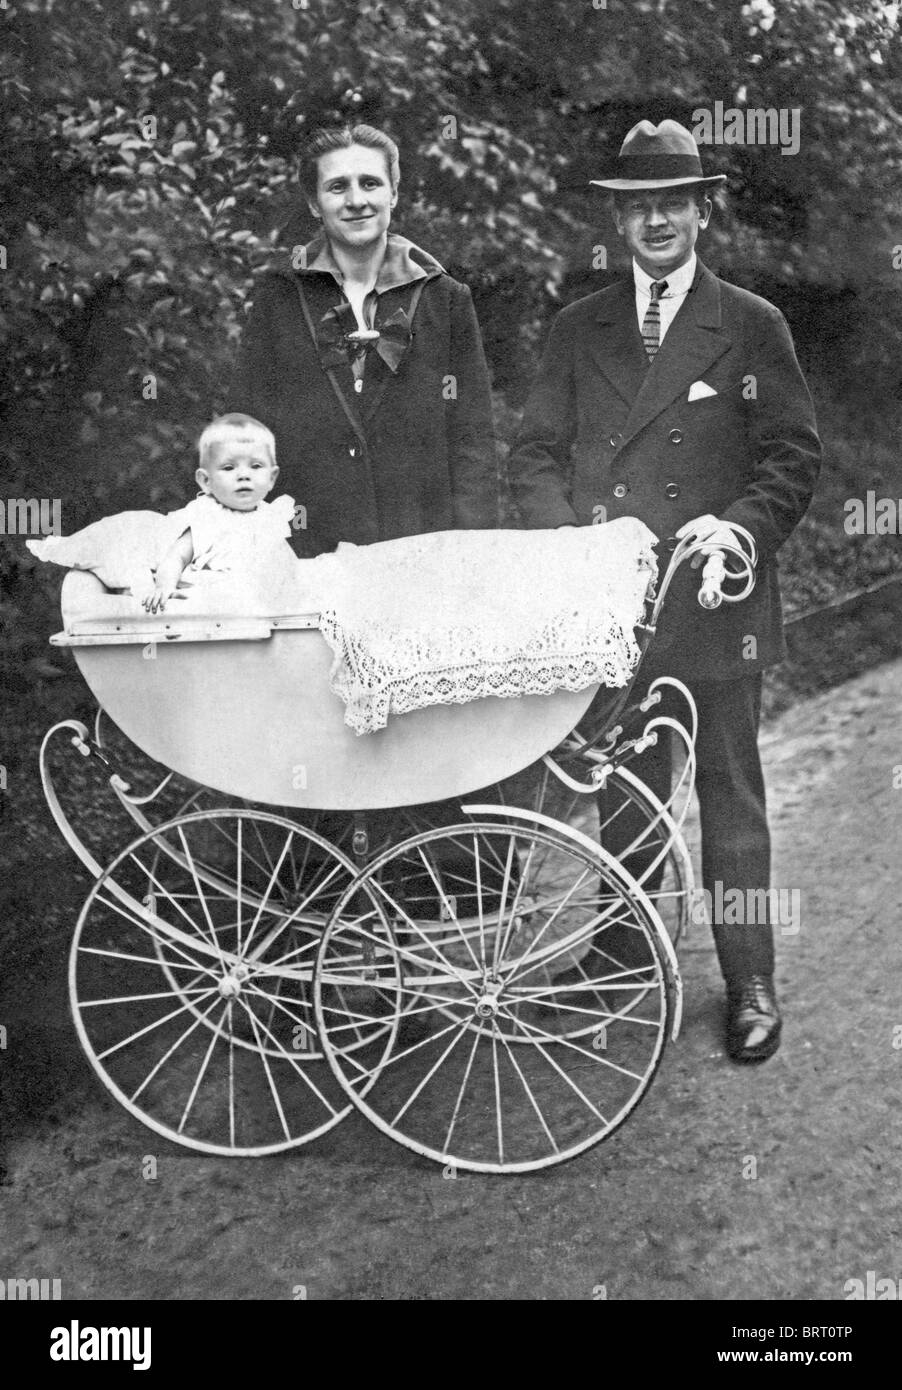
{"x":146,"y":174}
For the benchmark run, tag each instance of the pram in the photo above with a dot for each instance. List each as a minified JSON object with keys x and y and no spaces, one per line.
{"x":290,"y":935}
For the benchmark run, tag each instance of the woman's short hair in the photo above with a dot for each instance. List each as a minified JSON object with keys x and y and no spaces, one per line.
{"x":329,"y":138}
{"x":231,"y":427}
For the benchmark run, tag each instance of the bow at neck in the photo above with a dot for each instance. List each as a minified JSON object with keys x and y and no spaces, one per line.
{"x":337,"y":347}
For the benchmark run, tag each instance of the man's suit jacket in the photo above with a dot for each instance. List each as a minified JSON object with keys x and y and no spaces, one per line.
{"x":604,"y":430}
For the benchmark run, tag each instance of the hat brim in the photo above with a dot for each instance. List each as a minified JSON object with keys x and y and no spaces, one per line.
{"x":635,"y":185}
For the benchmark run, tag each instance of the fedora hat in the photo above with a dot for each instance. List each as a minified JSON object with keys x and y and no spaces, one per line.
{"x":657,"y":157}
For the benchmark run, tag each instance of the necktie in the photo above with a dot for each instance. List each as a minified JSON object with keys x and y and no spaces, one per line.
{"x":651,"y":324}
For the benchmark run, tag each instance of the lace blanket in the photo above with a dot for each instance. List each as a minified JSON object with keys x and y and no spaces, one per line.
{"x":457,"y":615}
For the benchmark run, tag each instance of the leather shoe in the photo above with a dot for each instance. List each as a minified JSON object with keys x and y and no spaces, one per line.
{"x":753,"y":1019}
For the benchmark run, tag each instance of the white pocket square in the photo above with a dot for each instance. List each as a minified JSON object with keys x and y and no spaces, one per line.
{"x":699,"y":389}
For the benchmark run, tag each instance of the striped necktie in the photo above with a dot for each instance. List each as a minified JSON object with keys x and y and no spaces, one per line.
{"x":651,"y":324}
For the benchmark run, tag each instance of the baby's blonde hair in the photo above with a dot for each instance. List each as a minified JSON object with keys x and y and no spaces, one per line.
{"x":232,"y":427}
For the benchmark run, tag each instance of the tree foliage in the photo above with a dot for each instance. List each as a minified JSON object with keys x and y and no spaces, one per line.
{"x":147,"y":172}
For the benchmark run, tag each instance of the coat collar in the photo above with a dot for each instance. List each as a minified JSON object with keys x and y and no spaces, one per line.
{"x":695,"y":339}
{"x":403,"y":263}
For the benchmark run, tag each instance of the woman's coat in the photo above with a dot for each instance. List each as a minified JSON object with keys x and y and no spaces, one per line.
{"x":430,"y":461}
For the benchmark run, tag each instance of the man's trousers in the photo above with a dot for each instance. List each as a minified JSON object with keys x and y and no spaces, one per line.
{"x":730,"y":788}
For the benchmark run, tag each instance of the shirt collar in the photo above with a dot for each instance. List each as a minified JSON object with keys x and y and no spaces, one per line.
{"x":678,"y":281}
{"x":402,"y":264}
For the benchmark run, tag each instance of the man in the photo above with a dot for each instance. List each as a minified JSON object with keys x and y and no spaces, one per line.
{"x":677,"y":398}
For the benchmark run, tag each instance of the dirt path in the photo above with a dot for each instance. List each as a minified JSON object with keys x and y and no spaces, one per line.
{"x":663,"y":1210}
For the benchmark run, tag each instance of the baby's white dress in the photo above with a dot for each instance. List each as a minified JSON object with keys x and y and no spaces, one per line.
{"x":249,"y":550}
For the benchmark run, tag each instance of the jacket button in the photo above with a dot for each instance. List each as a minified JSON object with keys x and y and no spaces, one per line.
{"x":672,"y":490}
{"x":670,"y":544}
{"x":620,"y":489}
{"x":615,"y":440}
{"x":676,"y":436}
{"x":352,"y":450}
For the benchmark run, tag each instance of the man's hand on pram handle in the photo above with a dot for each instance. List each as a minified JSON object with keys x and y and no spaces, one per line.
{"x":715,"y":534}
{"x":713,"y":542}
{"x":730,"y":554}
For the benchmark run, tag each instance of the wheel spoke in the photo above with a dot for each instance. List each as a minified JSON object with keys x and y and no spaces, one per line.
{"x":430,"y":1073}
{"x":525,"y":870}
{"x":273,"y":877}
{"x":149,"y":1028}
{"x":214,"y":1038}
{"x":175,"y":1046}
{"x":286,"y":1056}
{"x":142,"y":960}
{"x":274,"y":1090}
{"x":514,"y":973}
{"x":242,"y":855}
{"x":452,"y":913}
{"x":276,"y":1002}
{"x":407,"y":953}
{"x":239,"y":893}
{"x":460,"y":1094}
{"x":203,"y":901}
{"x":143,"y":998}
{"x":295,"y":916}
{"x":172,"y":937}
{"x":529,"y":1094}
{"x":499,"y":1123}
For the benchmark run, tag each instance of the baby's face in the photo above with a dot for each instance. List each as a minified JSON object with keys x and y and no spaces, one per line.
{"x":239,"y":473}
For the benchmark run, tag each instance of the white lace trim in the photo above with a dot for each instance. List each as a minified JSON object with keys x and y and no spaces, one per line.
{"x":458,"y":616}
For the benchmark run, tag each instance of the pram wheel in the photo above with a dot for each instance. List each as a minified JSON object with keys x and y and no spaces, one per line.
{"x":190,"y":976}
{"x":532,"y":1043}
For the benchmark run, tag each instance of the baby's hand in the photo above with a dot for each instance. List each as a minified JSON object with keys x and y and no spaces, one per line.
{"x":155,"y":601}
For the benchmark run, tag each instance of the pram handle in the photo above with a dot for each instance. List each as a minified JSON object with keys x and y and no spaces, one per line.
{"x":716,"y":573}
{"x":711,"y":594}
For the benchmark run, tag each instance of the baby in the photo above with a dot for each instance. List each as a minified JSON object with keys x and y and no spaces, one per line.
{"x":230,"y":527}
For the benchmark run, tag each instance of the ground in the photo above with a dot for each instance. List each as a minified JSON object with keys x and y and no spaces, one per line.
{"x":778,"y":1182}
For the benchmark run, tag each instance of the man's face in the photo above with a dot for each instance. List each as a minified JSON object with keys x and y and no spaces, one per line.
{"x":660,"y":227}
{"x":354,"y":196}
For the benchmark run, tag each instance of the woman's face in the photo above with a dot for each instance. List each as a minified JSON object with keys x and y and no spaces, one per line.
{"x":354,"y":197}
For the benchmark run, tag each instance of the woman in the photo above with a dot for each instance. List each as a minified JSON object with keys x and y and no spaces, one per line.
{"x":382,"y":435}
{"x":365,"y":360}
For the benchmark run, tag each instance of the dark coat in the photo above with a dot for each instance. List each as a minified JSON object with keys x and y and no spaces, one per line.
{"x":603,"y":429}
{"x":430,"y":464}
